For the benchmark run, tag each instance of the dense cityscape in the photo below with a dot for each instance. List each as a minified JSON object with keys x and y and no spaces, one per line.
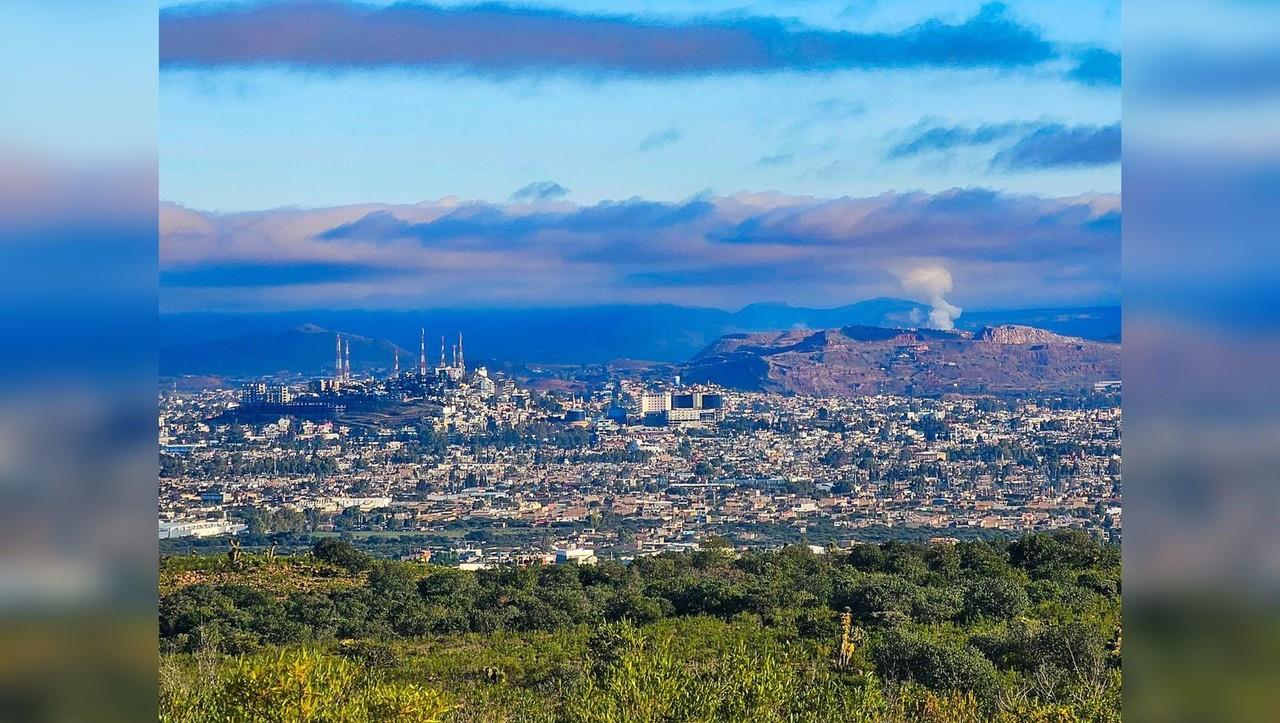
{"x":453,"y":464}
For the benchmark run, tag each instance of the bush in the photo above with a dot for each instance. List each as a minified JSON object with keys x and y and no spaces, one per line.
{"x":937,"y":604}
{"x":392,"y":580}
{"x":994,"y":598}
{"x":818,"y":624}
{"x":637,"y":608}
{"x":340,"y":553}
{"x":877,"y":598}
{"x":370,"y":653}
{"x":937,"y":665}
{"x":297,"y":686}
{"x":641,"y":680}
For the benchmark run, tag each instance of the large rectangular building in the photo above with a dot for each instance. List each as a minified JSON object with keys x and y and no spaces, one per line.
{"x":653,"y":402}
{"x":264,"y":393}
{"x":684,"y":408}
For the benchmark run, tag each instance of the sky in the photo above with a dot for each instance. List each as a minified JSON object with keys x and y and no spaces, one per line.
{"x":89,"y":99}
{"x":325,"y":153}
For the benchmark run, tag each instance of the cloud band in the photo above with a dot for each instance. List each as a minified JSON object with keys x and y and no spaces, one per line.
{"x":501,"y":39}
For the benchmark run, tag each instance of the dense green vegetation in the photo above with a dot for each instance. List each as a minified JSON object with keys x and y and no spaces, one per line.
{"x":1027,"y":629}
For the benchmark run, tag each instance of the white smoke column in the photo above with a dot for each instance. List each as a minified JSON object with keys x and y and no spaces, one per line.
{"x":929,"y":283}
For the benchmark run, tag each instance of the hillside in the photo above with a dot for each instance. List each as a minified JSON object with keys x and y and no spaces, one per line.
{"x":1000,"y":630}
{"x":857,"y":360}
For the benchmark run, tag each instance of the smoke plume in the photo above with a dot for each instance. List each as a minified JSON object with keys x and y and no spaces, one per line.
{"x":928,"y":283}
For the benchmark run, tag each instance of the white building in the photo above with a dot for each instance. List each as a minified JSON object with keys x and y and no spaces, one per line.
{"x":575,"y":556}
{"x":198,"y":528}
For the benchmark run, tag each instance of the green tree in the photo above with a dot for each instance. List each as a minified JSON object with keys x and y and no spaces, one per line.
{"x":994,"y":598}
{"x":340,"y":553}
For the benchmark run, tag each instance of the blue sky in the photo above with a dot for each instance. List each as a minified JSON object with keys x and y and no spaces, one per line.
{"x":324,"y":103}
{"x":85,"y":100}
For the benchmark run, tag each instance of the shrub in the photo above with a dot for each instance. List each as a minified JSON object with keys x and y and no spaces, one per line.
{"x":641,"y":680}
{"x":370,"y":653}
{"x":340,"y":553}
{"x":937,"y":665}
{"x":994,"y":598}
{"x":298,"y":686}
{"x":637,"y":608}
{"x":876,"y":598}
{"x":392,"y":580}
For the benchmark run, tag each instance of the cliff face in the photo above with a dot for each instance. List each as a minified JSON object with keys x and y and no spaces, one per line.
{"x":855,"y":361}
{"x":1014,"y":334}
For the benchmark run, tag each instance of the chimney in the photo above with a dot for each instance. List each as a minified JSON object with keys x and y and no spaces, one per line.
{"x":346,"y":365}
{"x":395,"y":368}
{"x":462,"y":363}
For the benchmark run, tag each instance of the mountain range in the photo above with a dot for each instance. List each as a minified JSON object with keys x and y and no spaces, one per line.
{"x":304,"y":348}
{"x":250,"y":344}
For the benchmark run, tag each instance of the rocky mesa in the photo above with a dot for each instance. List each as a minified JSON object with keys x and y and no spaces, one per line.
{"x":861,"y":360}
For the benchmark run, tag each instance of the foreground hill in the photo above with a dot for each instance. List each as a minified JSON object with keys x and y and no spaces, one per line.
{"x":859,"y":360}
{"x":1009,"y":631}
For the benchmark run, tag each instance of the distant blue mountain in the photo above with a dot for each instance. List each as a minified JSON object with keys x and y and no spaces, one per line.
{"x":263,"y":343}
{"x":306,"y":348}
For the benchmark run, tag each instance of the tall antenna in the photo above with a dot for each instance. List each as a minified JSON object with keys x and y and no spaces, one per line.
{"x":462,"y":364}
{"x":337,"y":359}
{"x":395,"y":369}
{"x":442,"y":350}
{"x":346,"y":366}
{"x":422,"y":352}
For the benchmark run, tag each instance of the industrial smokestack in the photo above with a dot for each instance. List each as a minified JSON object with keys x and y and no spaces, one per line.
{"x":346,"y":365}
{"x":395,"y":366}
{"x":462,"y":363}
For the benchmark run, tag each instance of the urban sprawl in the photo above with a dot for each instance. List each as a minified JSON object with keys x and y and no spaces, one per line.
{"x":467,"y":468}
